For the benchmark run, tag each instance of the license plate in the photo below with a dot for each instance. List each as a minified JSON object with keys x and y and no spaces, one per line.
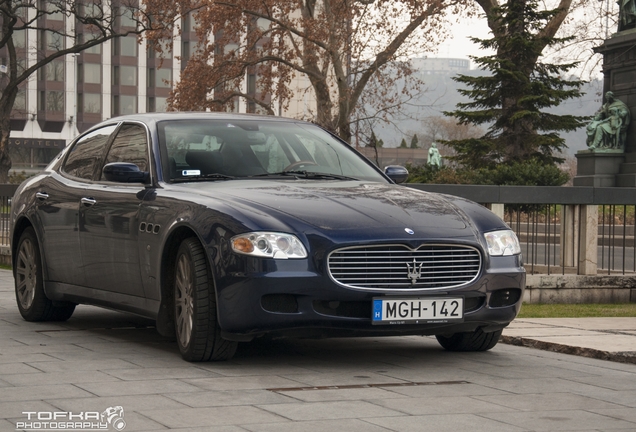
{"x":414,"y":310}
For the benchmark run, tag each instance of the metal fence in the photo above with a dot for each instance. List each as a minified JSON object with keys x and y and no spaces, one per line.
{"x":575,"y":230}
{"x":6,"y":193}
{"x":580,"y":230}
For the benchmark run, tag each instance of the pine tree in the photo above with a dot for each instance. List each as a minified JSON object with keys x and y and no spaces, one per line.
{"x":414,"y":142}
{"x":513,"y":99}
{"x":403,"y":143}
{"x":374,"y":141}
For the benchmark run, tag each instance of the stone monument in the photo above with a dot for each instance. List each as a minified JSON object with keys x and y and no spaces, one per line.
{"x":611,"y":137}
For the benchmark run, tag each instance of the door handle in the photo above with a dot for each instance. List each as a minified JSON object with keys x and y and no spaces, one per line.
{"x":88,"y":201}
{"x":41,"y":195}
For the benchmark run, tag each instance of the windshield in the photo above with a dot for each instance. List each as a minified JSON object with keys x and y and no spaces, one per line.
{"x":229,"y":149}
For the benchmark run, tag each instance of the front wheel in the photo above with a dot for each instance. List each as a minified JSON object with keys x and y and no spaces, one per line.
{"x":469,"y":341}
{"x":29,"y":284}
{"x":196,"y":325}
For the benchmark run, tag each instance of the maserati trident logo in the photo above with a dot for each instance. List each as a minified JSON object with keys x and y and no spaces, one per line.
{"x":415,"y":272}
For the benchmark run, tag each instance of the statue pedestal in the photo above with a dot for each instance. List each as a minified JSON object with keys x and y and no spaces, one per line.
{"x":598,"y":169}
{"x":627,"y":173}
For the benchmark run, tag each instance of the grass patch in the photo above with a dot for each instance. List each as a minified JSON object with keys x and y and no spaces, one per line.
{"x":5,"y":267}
{"x":577,"y":310}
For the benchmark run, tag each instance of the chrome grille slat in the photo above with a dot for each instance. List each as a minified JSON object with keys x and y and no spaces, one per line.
{"x":387,"y":266}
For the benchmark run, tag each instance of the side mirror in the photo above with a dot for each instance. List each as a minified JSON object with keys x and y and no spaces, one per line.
{"x":124,"y":172}
{"x":397,"y":173}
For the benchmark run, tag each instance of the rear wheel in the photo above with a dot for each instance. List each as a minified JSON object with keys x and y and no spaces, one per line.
{"x":469,"y":341}
{"x":196,"y":325}
{"x":29,"y":285}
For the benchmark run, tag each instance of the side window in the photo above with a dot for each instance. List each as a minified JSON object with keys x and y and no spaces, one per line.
{"x":130,"y":145}
{"x":86,"y":155}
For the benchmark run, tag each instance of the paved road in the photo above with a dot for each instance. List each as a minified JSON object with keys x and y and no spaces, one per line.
{"x":102,"y":359}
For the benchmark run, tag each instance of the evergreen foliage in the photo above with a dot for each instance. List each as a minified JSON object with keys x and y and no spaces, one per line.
{"x":414,"y":142}
{"x":374,"y":141}
{"x":403,"y":143}
{"x":533,"y":172}
{"x":513,"y":99}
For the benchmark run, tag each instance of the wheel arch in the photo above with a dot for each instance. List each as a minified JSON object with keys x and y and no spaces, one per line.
{"x":20,"y":226}
{"x":165,"y":317}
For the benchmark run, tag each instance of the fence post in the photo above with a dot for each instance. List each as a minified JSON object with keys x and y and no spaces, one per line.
{"x":569,"y":240}
{"x":497,"y":209}
{"x":588,"y":235}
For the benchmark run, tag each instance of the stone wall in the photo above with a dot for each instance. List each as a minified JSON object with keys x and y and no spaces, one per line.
{"x":572,"y":289}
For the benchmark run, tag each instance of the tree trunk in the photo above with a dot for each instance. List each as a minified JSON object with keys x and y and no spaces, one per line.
{"x":6,"y":103}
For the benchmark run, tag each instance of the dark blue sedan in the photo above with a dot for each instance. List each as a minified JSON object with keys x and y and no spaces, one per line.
{"x":224,"y":228}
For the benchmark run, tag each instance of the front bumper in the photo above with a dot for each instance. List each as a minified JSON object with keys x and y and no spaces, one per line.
{"x":287,"y":298}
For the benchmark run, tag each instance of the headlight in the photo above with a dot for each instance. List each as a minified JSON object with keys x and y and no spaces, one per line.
{"x":269,"y":245}
{"x":502,"y":243}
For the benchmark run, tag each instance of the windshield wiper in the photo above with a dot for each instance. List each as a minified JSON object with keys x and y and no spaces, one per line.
{"x":203,"y":177}
{"x":306,"y":175}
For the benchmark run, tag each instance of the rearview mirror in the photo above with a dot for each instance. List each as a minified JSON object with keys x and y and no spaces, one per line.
{"x":125,"y":172}
{"x":397,"y":173}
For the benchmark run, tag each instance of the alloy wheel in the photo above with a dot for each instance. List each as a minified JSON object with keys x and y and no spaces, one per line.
{"x":26,"y":274}
{"x":184,"y":300}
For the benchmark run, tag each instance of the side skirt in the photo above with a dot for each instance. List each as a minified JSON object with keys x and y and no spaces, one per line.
{"x":57,"y":291}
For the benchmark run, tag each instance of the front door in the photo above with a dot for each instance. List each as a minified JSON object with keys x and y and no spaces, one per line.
{"x":109,"y":220}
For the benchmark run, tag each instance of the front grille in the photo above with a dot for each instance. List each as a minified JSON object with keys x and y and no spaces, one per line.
{"x":399,"y":267}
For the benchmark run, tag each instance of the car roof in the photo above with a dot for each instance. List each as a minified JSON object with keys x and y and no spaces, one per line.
{"x":194,"y":115}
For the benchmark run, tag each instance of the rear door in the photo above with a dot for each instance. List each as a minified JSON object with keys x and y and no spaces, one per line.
{"x":58,"y":204}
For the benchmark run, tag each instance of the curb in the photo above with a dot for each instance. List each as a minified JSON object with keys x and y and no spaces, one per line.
{"x":619,"y":357}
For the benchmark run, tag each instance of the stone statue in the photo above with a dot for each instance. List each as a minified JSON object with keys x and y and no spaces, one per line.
{"x":434,"y":158}
{"x":608,"y":130}
{"x":626,"y":14}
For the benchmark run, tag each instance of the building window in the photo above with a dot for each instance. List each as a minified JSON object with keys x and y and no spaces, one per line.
{"x":188,"y":23}
{"x":50,"y":40}
{"x":20,"y":100}
{"x":90,"y":73}
{"x":164,"y":78}
{"x":126,"y":16}
{"x":54,"y":10}
{"x":157,"y":104}
{"x":19,"y":39}
{"x":124,"y":104}
{"x":89,"y":103}
{"x":53,"y":71}
{"x":166,"y":50}
{"x":87,"y":37}
{"x":125,"y":75}
{"x":125,"y":46}
{"x":52,"y":101}
{"x":251,"y":84}
{"x":188,"y":49}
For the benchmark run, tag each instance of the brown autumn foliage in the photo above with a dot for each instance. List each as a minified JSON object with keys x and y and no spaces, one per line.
{"x":353,"y":54}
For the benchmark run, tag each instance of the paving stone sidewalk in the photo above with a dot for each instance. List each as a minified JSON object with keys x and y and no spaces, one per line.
{"x":101,"y":359}
{"x":601,"y":338}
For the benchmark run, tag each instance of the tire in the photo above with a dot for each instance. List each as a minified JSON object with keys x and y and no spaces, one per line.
{"x":469,"y":341}
{"x":196,"y":326}
{"x":29,"y":284}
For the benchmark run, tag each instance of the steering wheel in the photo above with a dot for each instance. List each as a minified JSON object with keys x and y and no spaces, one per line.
{"x":293,"y":166}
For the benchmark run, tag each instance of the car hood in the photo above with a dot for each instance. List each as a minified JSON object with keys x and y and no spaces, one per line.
{"x":330,"y":205}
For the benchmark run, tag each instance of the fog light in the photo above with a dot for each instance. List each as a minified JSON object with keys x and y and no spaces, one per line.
{"x":504,"y":297}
